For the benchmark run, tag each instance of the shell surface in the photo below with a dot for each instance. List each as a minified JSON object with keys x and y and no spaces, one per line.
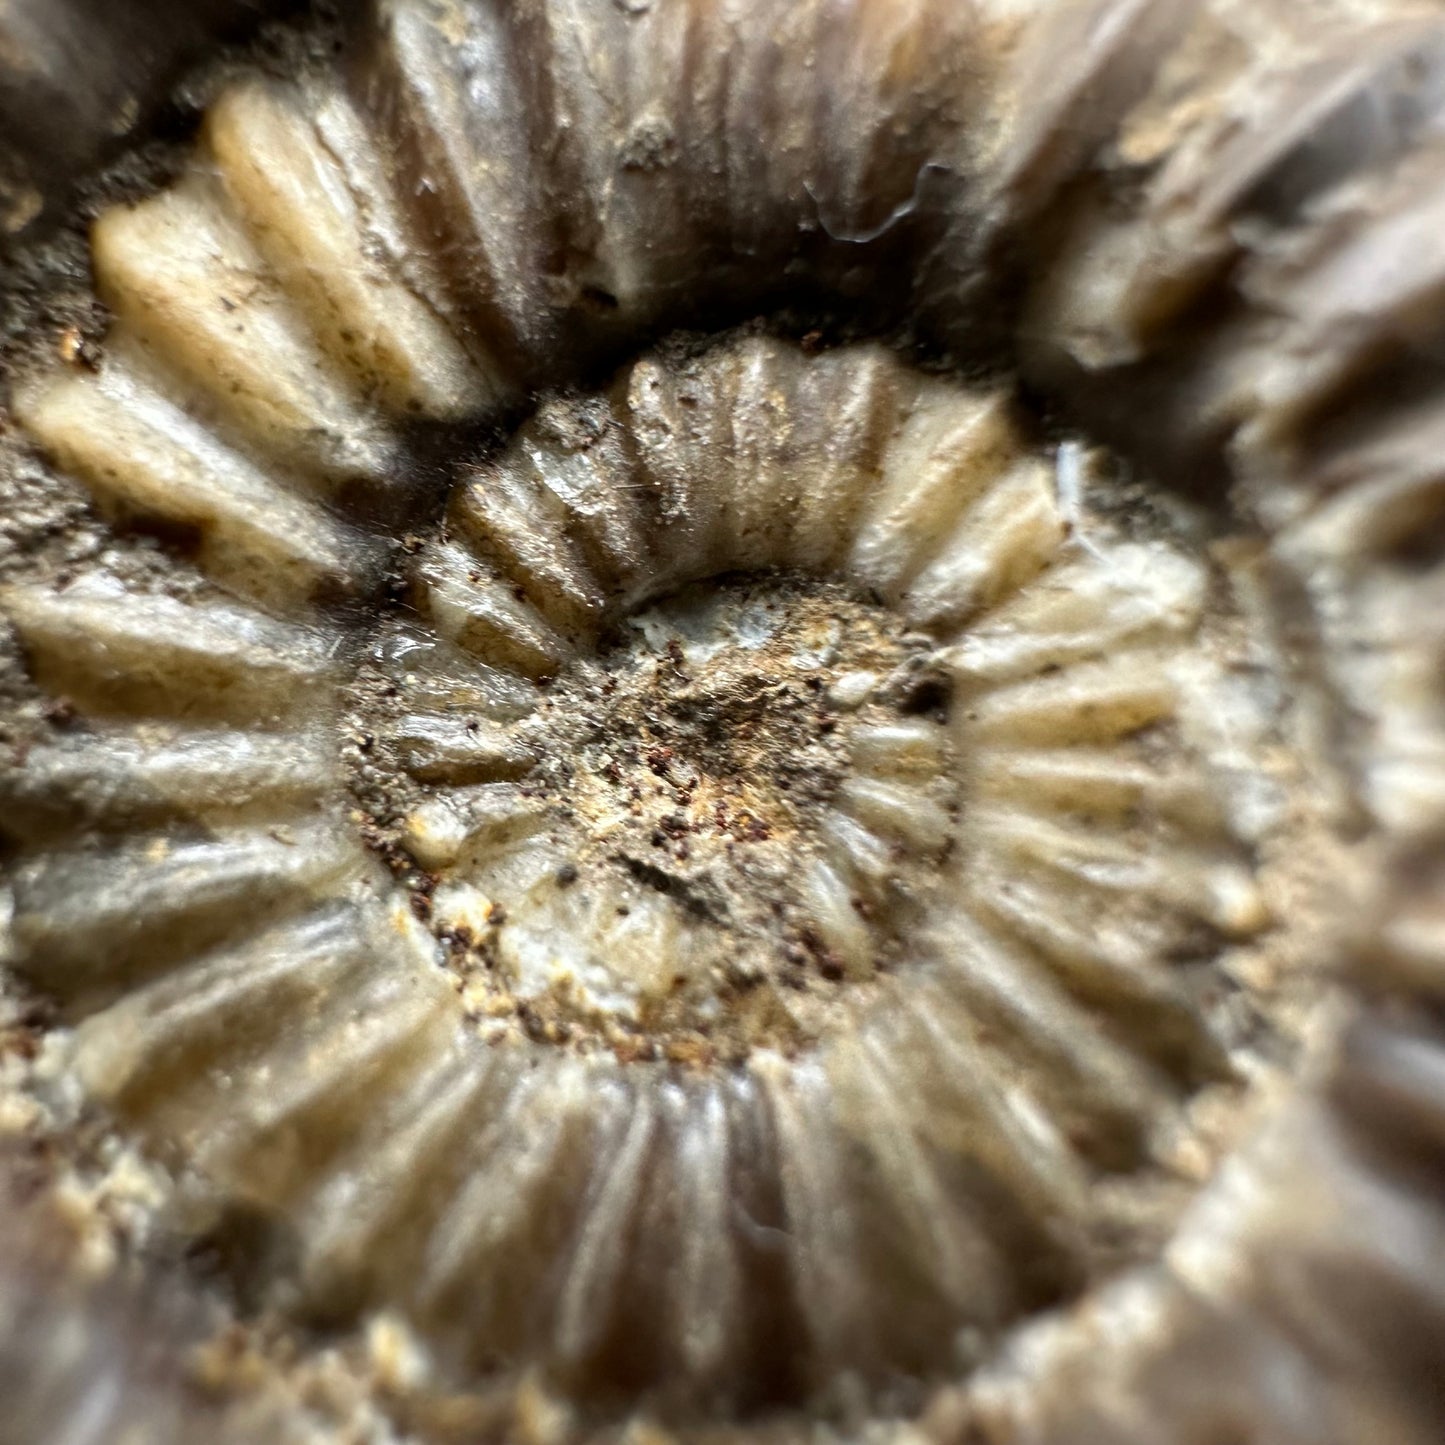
{"x":746,"y":876}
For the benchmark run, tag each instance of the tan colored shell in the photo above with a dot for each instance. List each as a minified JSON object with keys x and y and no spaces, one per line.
{"x":304,"y":882}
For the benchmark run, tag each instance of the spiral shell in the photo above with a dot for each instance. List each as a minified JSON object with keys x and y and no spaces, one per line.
{"x":751,"y":875}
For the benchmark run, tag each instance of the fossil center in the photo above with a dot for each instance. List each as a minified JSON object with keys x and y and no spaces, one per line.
{"x":675,"y":785}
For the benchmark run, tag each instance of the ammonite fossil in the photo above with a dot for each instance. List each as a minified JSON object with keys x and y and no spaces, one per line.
{"x":725,"y":720}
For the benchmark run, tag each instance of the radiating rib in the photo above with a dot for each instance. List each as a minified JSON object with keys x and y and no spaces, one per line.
{"x":516,"y":1204}
{"x":474,"y":821}
{"x":579,"y":108}
{"x":897,"y":810}
{"x":763,"y":465}
{"x":144,"y":777}
{"x":282,"y":1124}
{"x":526,"y":529}
{"x":368,"y":1220}
{"x":705,"y":1282}
{"x":846,"y":408}
{"x":1284,"y":129}
{"x":578,"y":455}
{"x":970,"y":1104}
{"x":215,"y":1012}
{"x":854,"y":848}
{"x":1215,"y":888}
{"x":88,"y":922}
{"x":1101,"y":783}
{"x":906,"y":748}
{"x":1113,"y":964}
{"x":1003,"y":540}
{"x":820,"y":1242}
{"x":829,"y":904}
{"x":948,"y":451}
{"x":1092,"y":702}
{"x":679,"y":424}
{"x":607,"y":1211}
{"x":142,"y":455}
{"x":481,"y":202}
{"x":186,"y":282}
{"x":437,"y":748}
{"x":116,"y":651}
{"x":935,"y":1230}
{"x":302,"y":213}
{"x":439,"y":676}
{"x":1350,"y":291}
{"x":473,"y":607}
{"x":1079,"y":1070}
{"x":1135,"y":593}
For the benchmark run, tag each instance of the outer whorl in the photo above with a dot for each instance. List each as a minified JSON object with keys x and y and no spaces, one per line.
{"x":727,"y":717}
